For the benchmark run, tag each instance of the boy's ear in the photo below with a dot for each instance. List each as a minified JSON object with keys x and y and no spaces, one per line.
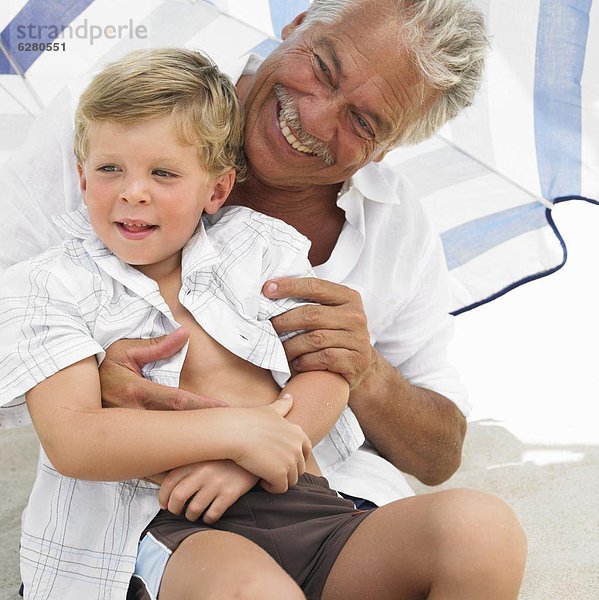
{"x":222,"y":187}
{"x":291,"y":27}
{"x":82,"y":180}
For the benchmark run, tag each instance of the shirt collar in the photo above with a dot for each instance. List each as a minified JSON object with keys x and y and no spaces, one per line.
{"x":198,"y":253}
{"x":76,"y":223}
{"x":376,"y":182}
{"x":373,"y":182}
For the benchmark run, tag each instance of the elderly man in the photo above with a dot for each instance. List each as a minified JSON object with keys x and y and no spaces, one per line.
{"x":351,"y":80}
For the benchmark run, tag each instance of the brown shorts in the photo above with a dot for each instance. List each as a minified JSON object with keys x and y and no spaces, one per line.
{"x":304,"y":529}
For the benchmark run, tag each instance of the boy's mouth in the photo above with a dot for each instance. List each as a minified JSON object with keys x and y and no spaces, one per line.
{"x":135,"y":229}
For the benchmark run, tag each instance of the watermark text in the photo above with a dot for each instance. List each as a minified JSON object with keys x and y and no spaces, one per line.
{"x":83,"y":31}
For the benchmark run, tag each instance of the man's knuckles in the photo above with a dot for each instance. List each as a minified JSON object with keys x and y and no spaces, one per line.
{"x":316,"y":339}
{"x":357,"y":320}
{"x":314,"y":287}
{"x":311,"y":314}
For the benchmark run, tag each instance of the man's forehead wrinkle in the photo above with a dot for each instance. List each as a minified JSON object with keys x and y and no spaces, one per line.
{"x":349,"y":63}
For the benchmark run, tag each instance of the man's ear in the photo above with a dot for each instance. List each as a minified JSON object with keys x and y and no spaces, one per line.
{"x":221,"y":189}
{"x":379,"y":155}
{"x":291,"y":27}
{"x":82,"y":180}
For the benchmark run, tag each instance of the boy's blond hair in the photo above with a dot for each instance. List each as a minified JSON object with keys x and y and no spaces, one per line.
{"x":184,"y":84}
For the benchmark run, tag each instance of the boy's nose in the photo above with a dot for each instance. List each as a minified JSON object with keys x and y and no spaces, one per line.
{"x":135,"y":192}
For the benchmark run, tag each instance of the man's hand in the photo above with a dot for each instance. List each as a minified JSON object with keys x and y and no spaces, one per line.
{"x":210,"y":487}
{"x":336,"y":330}
{"x":124,"y":386}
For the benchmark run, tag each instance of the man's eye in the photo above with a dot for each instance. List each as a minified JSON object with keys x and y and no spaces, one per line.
{"x":363,"y":123}
{"x":322,"y":65}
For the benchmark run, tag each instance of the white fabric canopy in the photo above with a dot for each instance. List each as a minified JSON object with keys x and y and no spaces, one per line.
{"x":489,"y":180}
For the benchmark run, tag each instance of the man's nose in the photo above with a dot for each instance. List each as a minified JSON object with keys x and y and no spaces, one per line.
{"x":320,"y":115}
{"x":135,"y":191}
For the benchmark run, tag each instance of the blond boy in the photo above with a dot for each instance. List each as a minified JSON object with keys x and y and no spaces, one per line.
{"x":158,"y":141}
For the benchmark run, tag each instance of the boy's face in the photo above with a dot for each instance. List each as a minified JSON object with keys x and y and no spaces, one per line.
{"x":145,"y":192}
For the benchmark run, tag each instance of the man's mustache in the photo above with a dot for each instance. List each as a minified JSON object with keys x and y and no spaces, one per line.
{"x":290,"y":114}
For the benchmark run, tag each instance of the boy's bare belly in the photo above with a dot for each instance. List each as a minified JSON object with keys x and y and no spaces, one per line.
{"x":212,"y":370}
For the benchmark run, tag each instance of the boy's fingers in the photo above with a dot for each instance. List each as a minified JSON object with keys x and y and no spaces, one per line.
{"x":171,"y":480}
{"x":283,"y":405}
{"x":292,"y":476}
{"x":216,"y":510}
{"x":278,"y":487}
{"x":198,"y":504}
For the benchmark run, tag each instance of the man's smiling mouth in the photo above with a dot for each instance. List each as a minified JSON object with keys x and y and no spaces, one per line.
{"x":291,"y":129}
{"x":291,"y":139}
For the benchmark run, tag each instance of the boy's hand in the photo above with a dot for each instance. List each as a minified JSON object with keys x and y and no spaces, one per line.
{"x":124,"y":386}
{"x":210,"y":487}
{"x":335,"y":329}
{"x":269,"y":446}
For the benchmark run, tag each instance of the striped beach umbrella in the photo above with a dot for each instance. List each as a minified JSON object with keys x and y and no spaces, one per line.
{"x":489,"y":180}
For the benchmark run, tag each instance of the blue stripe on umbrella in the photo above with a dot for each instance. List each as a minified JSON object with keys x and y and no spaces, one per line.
{"x":465,"y":242}
{"x":561,"y":44}
{"x":284,"y":11}
{"x":37,"y":22}
{"x":281,"y":13}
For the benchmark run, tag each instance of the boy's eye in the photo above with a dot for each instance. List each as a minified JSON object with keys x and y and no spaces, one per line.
{"x":162,"y":173}
{"x":108,"y":169}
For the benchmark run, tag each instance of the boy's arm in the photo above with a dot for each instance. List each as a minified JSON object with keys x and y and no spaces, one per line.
{"x":85,"y":441}
{"x":209,"y":488}
{"x":319,"y":398}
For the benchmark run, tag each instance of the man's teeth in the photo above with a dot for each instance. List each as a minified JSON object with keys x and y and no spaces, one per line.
{"x":293,"y":141}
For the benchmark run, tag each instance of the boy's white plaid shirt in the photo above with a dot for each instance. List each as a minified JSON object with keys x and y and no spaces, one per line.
{"x":387,"y":251}
{"x":79,"y":537}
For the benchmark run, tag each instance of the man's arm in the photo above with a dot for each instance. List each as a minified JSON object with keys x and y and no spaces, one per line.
{"x":85,"y":441}
{"x":421,"y":432}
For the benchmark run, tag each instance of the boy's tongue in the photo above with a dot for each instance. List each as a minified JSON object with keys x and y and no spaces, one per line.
{"x":136,"y":228}
{"x":136,"y":231}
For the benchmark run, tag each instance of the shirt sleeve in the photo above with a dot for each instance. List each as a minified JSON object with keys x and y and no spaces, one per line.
{"x":416,"y":339}
{"x":38,"y":181}
{"x":42,"y":332}
{"x":287,"y":256}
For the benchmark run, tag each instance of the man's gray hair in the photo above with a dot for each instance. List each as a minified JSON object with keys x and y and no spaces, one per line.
{"x":447,"y":42}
